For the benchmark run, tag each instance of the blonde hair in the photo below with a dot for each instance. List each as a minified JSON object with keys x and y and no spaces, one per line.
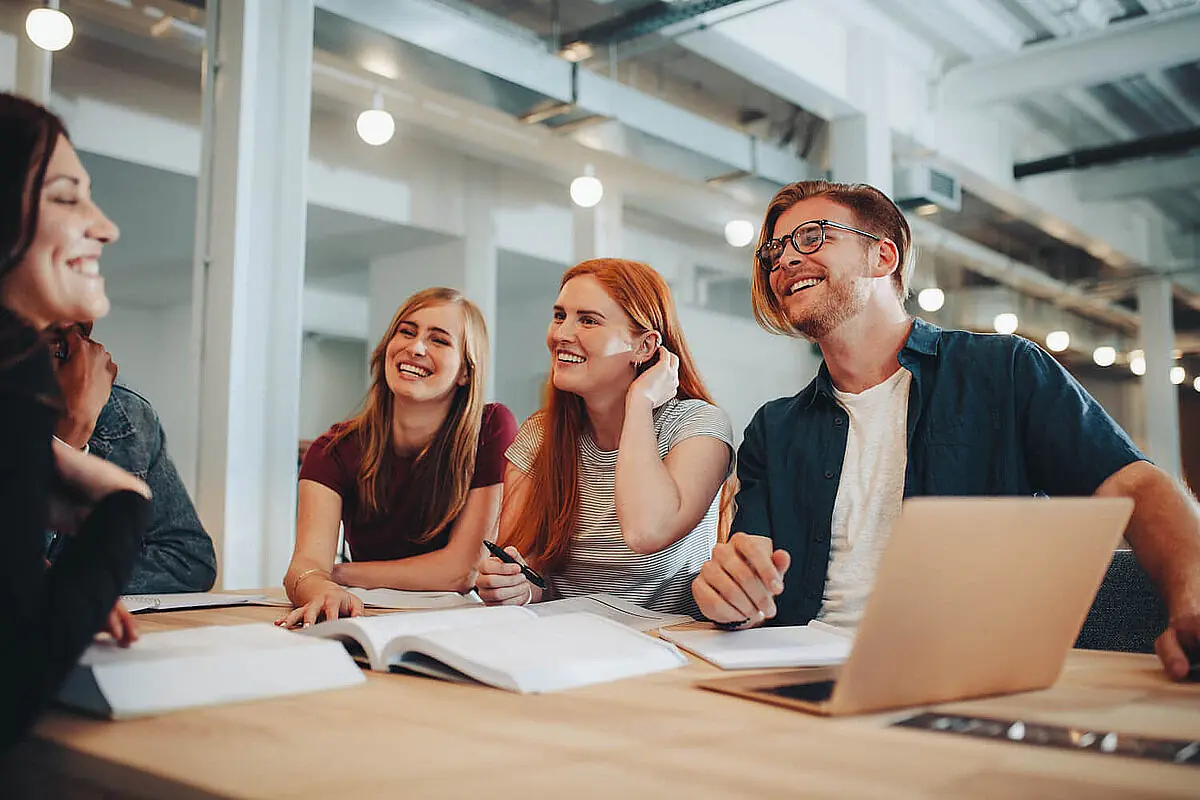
{"x":873,"y":212}
{"x":444,"y":468}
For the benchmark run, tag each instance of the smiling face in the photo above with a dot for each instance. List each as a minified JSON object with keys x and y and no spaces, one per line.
{"x":58,"y":279}
{"x":820,"y":291}
{"x":424,"y":359}
{"x":592,"y":344}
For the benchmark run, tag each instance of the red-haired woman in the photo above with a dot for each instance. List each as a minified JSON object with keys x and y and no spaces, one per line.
{"x":613,"y":485}
{"x":415,"y":478}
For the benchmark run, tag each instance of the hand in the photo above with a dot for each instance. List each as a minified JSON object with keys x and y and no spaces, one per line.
{"x":739,"y":583}
{"x":121,"y":625}
{"x":501,"y":583}
{"x":1178,"y":647}
{"x":86,"y":378}
{"x":84,"y":481}
{"x":331,"y":601}
{"x":658,"y":384}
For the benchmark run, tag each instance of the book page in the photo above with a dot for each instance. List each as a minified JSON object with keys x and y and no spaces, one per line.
{"x":380,"y":630}
{"x":204,"y":641}
{"x":174,"y":602}
{"x":793,"y":646}
{"x":406,"y":600}
{"x":558,"y":652}
{"x":611,"y":607}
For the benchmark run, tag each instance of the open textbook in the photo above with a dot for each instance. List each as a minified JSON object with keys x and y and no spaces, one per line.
{"x":508,"y":647}
{"x":611,"y":607}
{"x":394,"y":599}
{"x":194,"y":667}
{"x":813,"y":645}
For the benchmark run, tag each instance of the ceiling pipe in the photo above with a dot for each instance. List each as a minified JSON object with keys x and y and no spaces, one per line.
{"x":640,"y":21}
{"x":1165,"y":144}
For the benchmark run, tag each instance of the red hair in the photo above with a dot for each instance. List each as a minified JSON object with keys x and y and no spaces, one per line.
{"x":545,"y":523}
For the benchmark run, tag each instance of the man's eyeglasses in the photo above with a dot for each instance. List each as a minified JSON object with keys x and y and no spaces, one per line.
{"x":806,"y":239}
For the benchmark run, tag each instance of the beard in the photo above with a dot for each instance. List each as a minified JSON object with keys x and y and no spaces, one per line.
{"x":844,"y":299}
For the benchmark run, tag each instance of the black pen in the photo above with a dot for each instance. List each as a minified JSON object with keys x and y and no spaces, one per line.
{"x":529,"y":572}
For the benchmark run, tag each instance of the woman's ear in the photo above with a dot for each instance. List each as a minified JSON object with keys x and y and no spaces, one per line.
{"x":464,"y":375}
{"x":647,"y":347}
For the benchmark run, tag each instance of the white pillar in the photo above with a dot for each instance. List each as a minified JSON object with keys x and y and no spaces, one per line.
{"x":861,"y":144}
{"x":468,"y":264}
{"x":597,"y":231}
{"x":8,"y":62}
{"x":33,"y":67}
{"x":250,"y":247}
{"x":1162,"y":398}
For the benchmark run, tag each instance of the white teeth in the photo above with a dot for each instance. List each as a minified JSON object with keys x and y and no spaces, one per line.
{"x":85,"y":266}
{"x":804,"y":284}
{"x":571,"y":358}
{"x":413,"y":369}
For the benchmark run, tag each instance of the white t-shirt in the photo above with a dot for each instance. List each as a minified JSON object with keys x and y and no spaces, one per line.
{"x":598,"y":559}
{"x":869,"y":495}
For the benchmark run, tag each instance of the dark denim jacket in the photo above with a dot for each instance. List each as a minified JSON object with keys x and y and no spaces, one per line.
{"x":987,"y":415}
{"x":177,"y":553}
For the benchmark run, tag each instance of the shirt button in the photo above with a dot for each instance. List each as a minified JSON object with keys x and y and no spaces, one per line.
{"x":837,"y":422}
{"x":828,"y":473}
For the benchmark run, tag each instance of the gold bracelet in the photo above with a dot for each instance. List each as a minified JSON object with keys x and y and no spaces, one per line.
{"x":304,"y":575}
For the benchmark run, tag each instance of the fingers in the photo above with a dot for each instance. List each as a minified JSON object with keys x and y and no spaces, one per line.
{"x":357,"y":609}
{"x":1171,"y":654}
{"x":724,"y":588}
{"x":492,"y":566}
{"x":782,"y":559}
{"x":292,"y":618}
{"x":756,"y":551}
{"x":516,"y":594}
{"x":713,"y":605}
{"x":515,"y":553}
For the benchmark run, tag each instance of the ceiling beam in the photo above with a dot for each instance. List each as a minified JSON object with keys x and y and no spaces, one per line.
{"x":1138,"y":178}
{"x":1120,"y":50}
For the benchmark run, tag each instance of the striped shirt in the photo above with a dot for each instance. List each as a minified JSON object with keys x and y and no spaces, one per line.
{"x":598,"y":559}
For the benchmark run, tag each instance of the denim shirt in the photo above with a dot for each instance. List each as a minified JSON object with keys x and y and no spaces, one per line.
{"x":988,"y":415}
{"x":177,"y":554}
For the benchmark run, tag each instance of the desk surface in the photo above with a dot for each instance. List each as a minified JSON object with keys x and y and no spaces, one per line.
{"x":400,"y":735}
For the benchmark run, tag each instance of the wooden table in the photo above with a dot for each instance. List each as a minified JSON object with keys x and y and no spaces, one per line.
{"x":405,"y":736}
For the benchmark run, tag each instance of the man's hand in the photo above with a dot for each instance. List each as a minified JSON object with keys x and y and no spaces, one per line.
{"x":1179,"y":647}
{"x":739,"y":583}
{"x":86,"y":378}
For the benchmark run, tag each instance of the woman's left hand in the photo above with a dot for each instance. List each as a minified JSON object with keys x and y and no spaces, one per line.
{"x":121,"y":625}
{"x":660,"y":383}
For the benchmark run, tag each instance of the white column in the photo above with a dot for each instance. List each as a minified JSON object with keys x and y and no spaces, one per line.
{"x":8,"y":62}
{"x":1162,"y":398}
{"x":33,"y":67}
{"x":861,"y":144}
{"x":250,"y":247}
{"x":467,"y":264}
{"x":597,"y":231}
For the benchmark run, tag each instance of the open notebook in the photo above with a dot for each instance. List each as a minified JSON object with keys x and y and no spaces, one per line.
{"x":813,"y":645}
{"x":508,"y":647}
{"x":201,"y":667}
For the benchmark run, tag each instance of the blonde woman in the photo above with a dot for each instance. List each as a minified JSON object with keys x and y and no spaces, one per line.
{"x":416,"y":478}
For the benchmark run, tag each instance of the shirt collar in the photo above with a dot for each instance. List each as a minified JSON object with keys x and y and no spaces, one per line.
{"x":923,"y":339}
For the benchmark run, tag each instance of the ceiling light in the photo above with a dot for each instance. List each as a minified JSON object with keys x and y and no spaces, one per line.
{"x":1057,"y":341}
{"x":1196,"y":383}
{"x":931,"y":299}
{"x":49,"y":28}
{"x":576,"y":52}
{"x":739,"y":232}
{"x":375,"y":126}
{"x":1104,"y":356}
{"x":1137,"y":364}
{"x":587,"y":190}
{"x":927,"y":210}
{"x":1178,"y":375}
{"x":1005,"y":323}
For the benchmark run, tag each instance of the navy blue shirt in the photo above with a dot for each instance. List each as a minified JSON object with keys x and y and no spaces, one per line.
{"x":988,"y":415}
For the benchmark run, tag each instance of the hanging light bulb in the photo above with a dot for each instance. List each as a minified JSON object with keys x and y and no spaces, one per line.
{"x":931,"y":299}
{"x":1005,"y":323}
{"x":587,"y":190}
{"x":49,"y":28}
{"x":1178,"y":375}
{"x":375,"y":126}
{"x":1057,"y":341}
{"x":1196,"y":383}
{"x":1104,"y":356}
{"x":739,"y":232}
{"x":1137,"y":363}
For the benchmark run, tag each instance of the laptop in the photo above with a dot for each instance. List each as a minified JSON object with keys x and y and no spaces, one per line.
{"x":973,"y":597}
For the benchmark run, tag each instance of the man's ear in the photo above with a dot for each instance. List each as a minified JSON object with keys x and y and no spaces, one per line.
{"x":888,"y":260}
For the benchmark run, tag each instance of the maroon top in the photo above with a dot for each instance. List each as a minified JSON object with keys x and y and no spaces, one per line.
{"x":393,"y":535}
